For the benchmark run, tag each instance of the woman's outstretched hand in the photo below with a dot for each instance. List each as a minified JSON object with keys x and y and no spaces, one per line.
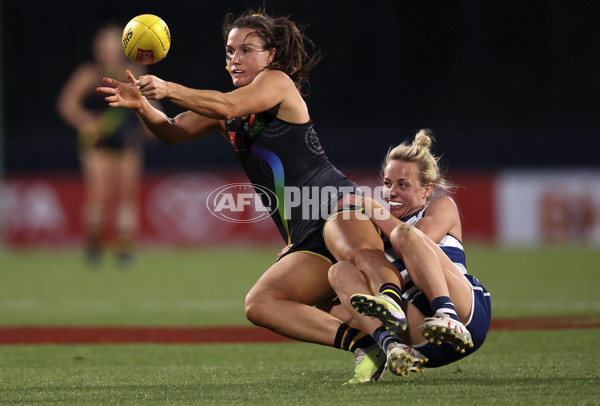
{"x":127,"y":95}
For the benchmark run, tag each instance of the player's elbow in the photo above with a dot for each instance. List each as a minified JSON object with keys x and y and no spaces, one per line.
{"x":64,"y":106}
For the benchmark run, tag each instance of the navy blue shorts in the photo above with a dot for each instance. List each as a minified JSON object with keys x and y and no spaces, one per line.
{"x":478,"y":326}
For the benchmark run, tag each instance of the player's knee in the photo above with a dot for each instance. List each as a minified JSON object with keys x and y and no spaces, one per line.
{"x":401,"y":234}
{"x":337,"y":273}
{"x":255,"y":309}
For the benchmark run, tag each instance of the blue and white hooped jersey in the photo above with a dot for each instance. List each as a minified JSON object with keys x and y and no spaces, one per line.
{"x":451,"y":246}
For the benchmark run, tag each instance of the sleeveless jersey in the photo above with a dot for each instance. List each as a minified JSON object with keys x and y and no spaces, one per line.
{"x":287,"y":159}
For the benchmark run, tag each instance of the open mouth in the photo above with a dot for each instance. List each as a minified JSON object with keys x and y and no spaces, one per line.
{"x":396,"y":204}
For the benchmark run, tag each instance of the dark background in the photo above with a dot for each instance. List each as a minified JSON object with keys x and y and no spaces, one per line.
{"x":500,"y":83}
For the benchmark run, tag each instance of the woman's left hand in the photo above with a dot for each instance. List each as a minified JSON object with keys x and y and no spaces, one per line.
{"x":152,"y":87}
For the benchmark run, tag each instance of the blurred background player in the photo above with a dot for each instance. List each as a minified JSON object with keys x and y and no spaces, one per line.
{"x":110,"y":145}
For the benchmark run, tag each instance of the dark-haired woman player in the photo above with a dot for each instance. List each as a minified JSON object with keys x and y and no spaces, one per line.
{"x":268,"y":124}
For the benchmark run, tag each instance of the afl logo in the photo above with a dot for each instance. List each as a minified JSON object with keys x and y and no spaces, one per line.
{"x":242,"y":203}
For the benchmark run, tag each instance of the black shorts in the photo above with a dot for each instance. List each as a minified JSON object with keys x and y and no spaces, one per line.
{"x":315,"y":243}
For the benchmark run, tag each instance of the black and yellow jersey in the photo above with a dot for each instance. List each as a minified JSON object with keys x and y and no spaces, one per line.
{"x":288,"y":160}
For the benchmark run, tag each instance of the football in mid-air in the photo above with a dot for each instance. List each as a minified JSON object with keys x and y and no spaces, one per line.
{"x":146,"y":39}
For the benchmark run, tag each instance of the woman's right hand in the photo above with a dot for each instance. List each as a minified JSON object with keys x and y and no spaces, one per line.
{"x":127,"y":95}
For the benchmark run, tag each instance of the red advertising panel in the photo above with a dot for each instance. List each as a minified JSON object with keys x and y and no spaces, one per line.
{"x":190,"y":208}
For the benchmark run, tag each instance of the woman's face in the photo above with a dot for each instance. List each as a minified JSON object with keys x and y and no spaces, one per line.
{"x":107,"y":46}
{"x":402,"y":188}
{"x":246,"y":56}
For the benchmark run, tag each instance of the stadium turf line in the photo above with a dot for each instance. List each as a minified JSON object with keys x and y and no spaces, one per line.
{"x":229,"y":334}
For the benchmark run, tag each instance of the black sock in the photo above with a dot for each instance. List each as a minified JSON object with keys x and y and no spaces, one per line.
{"x":393,"y":291}
{"x":349,"y":338}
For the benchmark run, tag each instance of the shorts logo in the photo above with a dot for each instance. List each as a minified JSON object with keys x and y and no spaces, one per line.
{"x":242,"y":203}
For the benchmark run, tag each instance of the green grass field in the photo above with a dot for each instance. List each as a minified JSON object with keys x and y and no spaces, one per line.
{"x":206,"y":287}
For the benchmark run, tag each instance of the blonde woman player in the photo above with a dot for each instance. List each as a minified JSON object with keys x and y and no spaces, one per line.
{"x":448,"y":310}
{"x":110,"y":147}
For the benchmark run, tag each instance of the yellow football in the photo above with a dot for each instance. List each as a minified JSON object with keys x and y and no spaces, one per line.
{"x":146,"y":39}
